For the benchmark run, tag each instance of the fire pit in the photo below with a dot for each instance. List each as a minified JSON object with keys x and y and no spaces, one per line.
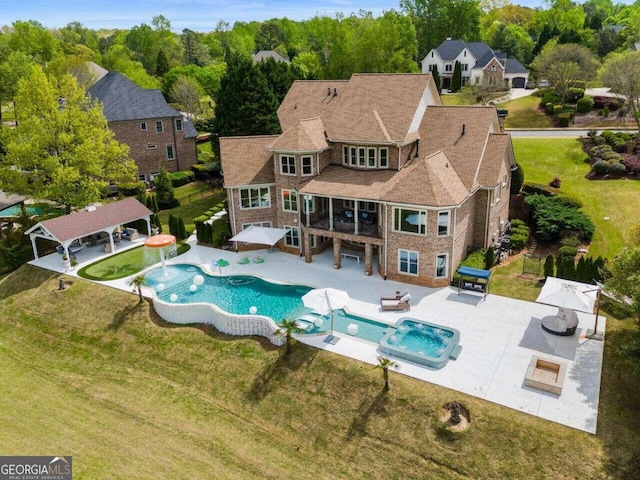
{"x":546,"y":375}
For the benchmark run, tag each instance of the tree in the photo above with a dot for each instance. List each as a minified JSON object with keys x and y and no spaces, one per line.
{"x":436,"y":77}
{"x":287,"y":329}
{"x":162,"y":63}
{"x":456,"y":81}
{"x":61,"y":149}
{"x":12,"y":69}
{"x":625,"y":276}
{"x":269,"y":36}
{"x":489,"y":258}
{"x":384,"y":364}
{"x":195,"y":52}
{"x":164,"y":190}
{"x":564,"y":64}
{"x":517,"y":179}
{"x":548,"y":266}
{"x":246,"y":105}
{"x":621,"y":72}
{"x":137,"y":282}
{"x":15,"y":246}
{"x":187,"y":92}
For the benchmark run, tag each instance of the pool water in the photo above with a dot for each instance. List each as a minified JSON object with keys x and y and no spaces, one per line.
{"x":234,"y":294}
{"x":368,"y":330}
{"x":16,"y":211}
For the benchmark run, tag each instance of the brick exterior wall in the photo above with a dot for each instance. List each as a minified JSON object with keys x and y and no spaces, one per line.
{"x":149,"y":160}
{"x":467,"y":224}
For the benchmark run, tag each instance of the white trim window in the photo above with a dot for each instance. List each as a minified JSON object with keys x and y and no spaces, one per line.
{"x":408,"y":262}
{"x":256,"y":224}
{"x":409,"y":221}
{"x":372,"y":161}
{"x":443,"y":223}
{"x":383,"y":157}
{"x":292,"y":237}
{"x":255,"y":198}
{"x":448,"y":67}
{"x":171,"y":154}
{"x":353,"y":161}
{"x":159,"y":126}
{"x":287,"y":165}
{"x":143,"y":126}
{"x":345,"y":155}
{"x":442,"y":265}
{"x":365,"y":157}
{"x":307,"y":165}
{"x":289,"y":200}
{"x":309,"y":204}
{"x":179,"y":126}
{"x":362,"y":157}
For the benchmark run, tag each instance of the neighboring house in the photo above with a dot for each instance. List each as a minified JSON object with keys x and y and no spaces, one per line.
{"x":264,"y":54}
{"x":479,"y":63}
{"x":636,"y":46}
{"x":157,"y":134}
{"x":377,"y":166}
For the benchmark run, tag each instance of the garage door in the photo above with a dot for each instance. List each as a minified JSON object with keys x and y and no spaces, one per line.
{"x":518,"y":82}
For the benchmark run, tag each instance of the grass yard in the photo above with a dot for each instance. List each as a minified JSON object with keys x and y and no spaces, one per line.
{"x":125,"y":264}
{"x":452,"y":99}
{"x":545,"y":158}
{"x":524,"y":113}
{"x":200,"y":203}
{"x":94,"y":374}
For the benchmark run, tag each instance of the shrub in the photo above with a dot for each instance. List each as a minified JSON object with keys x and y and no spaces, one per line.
{"x":585,"y":104}
{"x":632,"y":164}
{"x":164,"y":191}
{"x":517,"y":179}
{"x":548,"y":107}
{"x":599,"y":140}
{"x":518,"y":241}
{"x":563,"y":119}
{"x":201,"y":219}
{"x":610,"y":103}
{"x":567,"y":251}
{"x":575,"y":94}
{"x":489,"y":259}
{"x":569,"y":201}
{"x":553,"y":218}
{"x":205,"y":170}
{"x":549,"y":266}
{"x":516,"y":223}
{"x":617,"y":169}
{"x":181,"y":178}
{"x":570,"y":241}
{"x":132,"y":189}
{"x":557,"y":109}
{"x":474,"y":260}
{"x":555,"y":183}
{"x":600,"y":167}
{"x":566,"y":267}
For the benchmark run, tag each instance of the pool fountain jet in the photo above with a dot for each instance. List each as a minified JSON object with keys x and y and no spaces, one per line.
{"x":161,"y":242}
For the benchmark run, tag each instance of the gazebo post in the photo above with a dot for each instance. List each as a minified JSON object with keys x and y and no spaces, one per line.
{"x":34,"y":246}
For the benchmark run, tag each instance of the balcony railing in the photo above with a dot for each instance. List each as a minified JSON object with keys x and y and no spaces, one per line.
{"x":344,"y":225}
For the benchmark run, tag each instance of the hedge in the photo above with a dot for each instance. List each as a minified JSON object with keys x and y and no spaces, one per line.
{"x":553,"y":218}
{"x":585,"y":104}
{"x":601,"y":167}
{"x":563,"y":119}
{"x":181,"y":178}
{"x":617,"y":169}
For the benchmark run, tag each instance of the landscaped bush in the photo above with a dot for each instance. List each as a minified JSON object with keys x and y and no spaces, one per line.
{"x":549,"y":108}
{"x":474,"y":260}
{"x":617,"y":169}
{"x":557,"y":109}
{"x":585,"y":104}
{"x":181,"y":178}
{"x":569,"y":201}
{"x":553,"y":218}
{"x":549,"y":266}
{"x":610,"y":103}
{"x":567,"y":251}
{"x":570,"y":241}
{"x":517,"y":179}
{"x":575,"y":94}
{"x":205,"y":171}
{"x":601,"y":167}
{"x":518,"y":241}
{"x":599,"y":140}
{"x":516,"y":223}
{"x":564,"y":119}
{"x":632,"y":164}
{"x":132,"y":189}
{"x":551,"y":97}
{"x":201,"y":219}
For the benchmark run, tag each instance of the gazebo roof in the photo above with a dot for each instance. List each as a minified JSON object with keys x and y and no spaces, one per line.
{"x":8,"y":200}
{"x":86,"y":222}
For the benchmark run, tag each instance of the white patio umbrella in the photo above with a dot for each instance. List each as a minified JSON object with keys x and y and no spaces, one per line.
{"x":260,"y":235}
{"x":325,"y":300}
{"x":566,"y":295}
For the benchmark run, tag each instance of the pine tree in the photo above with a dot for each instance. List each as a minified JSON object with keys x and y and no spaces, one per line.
{"x":436,"y":77}
{"x":456,"y":81}
{"x":162,"y":63}
{"x":548,"y":266}
{"x":164,"y":191}
{"x":489,"y":258}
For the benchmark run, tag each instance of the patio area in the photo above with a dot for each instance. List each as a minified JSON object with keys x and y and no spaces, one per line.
{"x":499,"y":335}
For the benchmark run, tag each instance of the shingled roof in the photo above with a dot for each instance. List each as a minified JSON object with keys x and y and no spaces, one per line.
{"x":305,"y":136}
{"x":9,"y":200}
{"x":247,"y":160}
{"x":86,"y":222}
{"x":309,"y":99}
{"x":123,"y":100}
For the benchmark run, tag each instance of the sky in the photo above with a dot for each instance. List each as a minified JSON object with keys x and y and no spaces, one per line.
{"x":199,"y":15}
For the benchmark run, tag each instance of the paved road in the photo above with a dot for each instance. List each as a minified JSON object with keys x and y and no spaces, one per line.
{"x":560,"y":132}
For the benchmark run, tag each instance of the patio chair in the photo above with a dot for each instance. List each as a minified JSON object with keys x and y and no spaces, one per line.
{"x":395,"y":304}
{"x":244,"y":260}
{"x":258,"y":259}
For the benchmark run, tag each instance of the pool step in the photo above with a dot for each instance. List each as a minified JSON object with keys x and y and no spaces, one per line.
{"x":455,"y":352}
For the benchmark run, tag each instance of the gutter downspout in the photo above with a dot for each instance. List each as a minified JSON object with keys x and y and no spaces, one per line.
{"x":453,"y":243}
{"x":486,"y":219}
{"x":386,"y":239}
{"x":175,"y":143}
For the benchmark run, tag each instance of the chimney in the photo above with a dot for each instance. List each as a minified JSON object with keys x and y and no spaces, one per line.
{"x":502,"y":118}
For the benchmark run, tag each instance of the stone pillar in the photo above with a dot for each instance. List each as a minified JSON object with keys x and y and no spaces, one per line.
{"x":368,"y":258}
{"x":337,"y":243}
{"x":355,"y":217}
{"x":330,"y":214}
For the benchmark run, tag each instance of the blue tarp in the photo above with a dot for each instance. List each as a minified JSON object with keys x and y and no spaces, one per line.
{"x":474,"y":272}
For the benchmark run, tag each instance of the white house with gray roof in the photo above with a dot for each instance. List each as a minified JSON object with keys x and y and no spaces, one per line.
{"x":480,"y":64}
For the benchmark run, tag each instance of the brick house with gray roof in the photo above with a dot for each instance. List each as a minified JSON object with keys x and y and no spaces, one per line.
{"x":480,"y":64}
{"x":377,"y":166}
{"x":156,"y":133}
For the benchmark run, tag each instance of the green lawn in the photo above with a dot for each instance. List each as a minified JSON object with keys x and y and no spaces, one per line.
{"x":616,"y":200}
{"x":124,"y":264}
{"x":451,"y":99}
{"x":92,"y":373}
{"x":524,"y":113}
{"x":200,"y":203}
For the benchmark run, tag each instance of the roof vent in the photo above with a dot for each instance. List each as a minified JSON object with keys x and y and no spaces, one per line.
{"x":448,"y":38}
{"x":335,"y":92}
{"x":464,"y":128}
{"x":328,"y":91}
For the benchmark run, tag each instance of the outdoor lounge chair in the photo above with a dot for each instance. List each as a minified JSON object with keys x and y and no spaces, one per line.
{"x":564,"y":324}
{"x":395,"y":304}
{"x":258,"y":259}
{"x":244,"y":260}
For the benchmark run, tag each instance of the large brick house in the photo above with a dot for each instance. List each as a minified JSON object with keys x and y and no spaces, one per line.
{"x":480,"y":65}
{"x":377,"y":166}
{"x":157,"y":134}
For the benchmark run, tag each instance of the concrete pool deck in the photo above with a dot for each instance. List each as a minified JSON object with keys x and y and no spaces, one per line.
{"x":499,"y":335}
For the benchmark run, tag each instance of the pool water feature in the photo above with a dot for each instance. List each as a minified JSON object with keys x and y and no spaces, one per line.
{"x":422,"y":342}
{"x":235,"y":294}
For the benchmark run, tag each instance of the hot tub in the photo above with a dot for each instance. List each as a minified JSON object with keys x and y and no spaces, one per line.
{"x":421,"y":342}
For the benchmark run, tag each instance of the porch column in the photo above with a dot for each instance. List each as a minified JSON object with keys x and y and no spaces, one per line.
{"x":368,"y":258}
{"x":307,"y":203}
{"x":330,"y":214}
{"x":113,"y":245}
{"x":307,"y":247}
{"x":337,"y":243}
{"x":355,"y":214}
{"x":34,"y":246}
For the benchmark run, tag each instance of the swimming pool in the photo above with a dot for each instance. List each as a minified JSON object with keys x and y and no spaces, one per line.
{"x":368,"y":330}
{"x":16,"y":211}
{"x":235,"y":294}
{"x":422,"y":342}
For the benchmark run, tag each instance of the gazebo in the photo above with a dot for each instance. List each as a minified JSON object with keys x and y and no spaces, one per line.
{"x":473,"y":275}
{"x":106,"y":218}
